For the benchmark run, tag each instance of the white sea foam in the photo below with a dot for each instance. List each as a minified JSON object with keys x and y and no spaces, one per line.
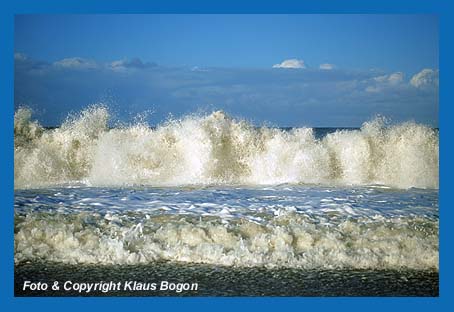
{"x":288,"y":240}
{"x":216,"y":149}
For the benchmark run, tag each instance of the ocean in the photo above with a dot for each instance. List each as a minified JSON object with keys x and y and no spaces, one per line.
{"x":237,"y":209}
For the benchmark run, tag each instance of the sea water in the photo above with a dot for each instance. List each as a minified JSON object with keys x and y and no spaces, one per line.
{"x":217,"y":195}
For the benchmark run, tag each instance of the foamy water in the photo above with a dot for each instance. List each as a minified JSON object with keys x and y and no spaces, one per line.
{"x":285,"y":226}
{"x":215,"y":190}
{"x":215,"y":149}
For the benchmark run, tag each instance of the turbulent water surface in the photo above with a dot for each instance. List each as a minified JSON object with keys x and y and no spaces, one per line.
{"x":216,"y":193}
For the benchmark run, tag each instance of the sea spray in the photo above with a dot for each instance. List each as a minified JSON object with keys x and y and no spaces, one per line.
{"x":217,"y":149}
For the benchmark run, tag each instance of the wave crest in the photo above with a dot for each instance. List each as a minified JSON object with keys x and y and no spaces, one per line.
{"x":217,"y":149}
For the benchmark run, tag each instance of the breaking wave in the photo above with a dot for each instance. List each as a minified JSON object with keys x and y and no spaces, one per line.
{"x":216,"y":149}
{"x":290,"y":240}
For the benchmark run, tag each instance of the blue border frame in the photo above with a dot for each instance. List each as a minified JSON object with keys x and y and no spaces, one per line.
{"x":443,"y":9}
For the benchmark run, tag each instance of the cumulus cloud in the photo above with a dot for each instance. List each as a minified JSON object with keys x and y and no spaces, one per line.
{"x":393,"y":79}
{"x":291,"y":63}
{"x":133,"y":63}
{"x":76,"y":63}
{"x":379,"y":83}
{"x":326,"y":66}
{"x":425,"y":78}
{"x":381,"y":79}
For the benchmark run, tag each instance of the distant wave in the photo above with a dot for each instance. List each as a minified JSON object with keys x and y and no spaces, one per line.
{"x":216,"y":149}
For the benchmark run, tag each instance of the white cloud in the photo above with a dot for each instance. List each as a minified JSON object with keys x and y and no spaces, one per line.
{"x":124,"y":64}
{"x":20,"y":56}
{"x":381,"y":79}
{"x":76,"y":63}
{"x":393,"y":79}
{"x":291,"y":63}
{"x":377,"y":84}
{"x":199,"y":69}
{"x":118,"y":63}
{"x":426,"y":77}
{"x":326,"y":66}
{"x":396,"y":78}
{"x":373,"y":89}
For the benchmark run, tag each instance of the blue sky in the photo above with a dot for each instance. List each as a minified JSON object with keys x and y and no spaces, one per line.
{"x":344,"y":68}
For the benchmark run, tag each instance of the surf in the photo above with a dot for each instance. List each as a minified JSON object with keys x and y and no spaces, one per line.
{"x":216,"y":149}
